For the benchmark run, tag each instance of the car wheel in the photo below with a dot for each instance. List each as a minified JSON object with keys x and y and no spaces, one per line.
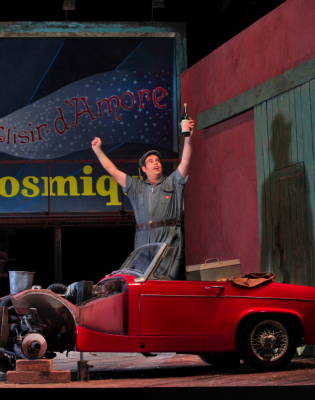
{"x":266,"y":344}
{"x":222,"y":361}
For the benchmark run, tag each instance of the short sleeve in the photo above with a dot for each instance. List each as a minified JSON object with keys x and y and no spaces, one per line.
{"x":133,"y":186}
{"x":179,"y":179}
{"x":129,"y":181}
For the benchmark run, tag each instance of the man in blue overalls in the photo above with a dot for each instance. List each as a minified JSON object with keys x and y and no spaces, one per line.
{"x":157,"y":201}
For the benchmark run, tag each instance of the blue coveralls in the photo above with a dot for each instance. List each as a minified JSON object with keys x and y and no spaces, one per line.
{"x":160,"y":202}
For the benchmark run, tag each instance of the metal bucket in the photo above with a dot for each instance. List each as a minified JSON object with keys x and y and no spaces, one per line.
{"x":20,"y":280}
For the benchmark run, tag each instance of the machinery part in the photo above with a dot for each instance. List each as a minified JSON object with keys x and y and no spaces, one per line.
{"x":83,"y":369}
{"x":34,"y":345}
{"x":58,"y":288}
{"x":20,"y":280}
{"x":78,"y":292}
{"x":46,"y":313}
{"x":267,"y":344}
{"x":5,"y":301}
{"x":7,"y":360}
{"x":4,"y":326}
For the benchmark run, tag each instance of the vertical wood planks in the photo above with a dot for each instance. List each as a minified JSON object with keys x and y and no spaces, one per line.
{"x":284,"y":127}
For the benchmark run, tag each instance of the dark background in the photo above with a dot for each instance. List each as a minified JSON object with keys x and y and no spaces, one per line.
{"x":209,"y":23}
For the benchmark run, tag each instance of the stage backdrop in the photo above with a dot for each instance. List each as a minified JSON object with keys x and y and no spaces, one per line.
{"x":59,"y":93}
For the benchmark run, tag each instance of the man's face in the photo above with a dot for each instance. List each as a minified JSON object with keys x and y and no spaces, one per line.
{"x":153,"y":167}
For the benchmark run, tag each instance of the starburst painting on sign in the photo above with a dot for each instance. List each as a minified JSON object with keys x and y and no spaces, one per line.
{"x":125,"y":105}
{"x":68,"y":91}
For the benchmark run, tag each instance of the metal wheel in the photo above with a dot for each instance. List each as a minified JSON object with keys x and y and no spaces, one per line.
{"x":267,"y":344}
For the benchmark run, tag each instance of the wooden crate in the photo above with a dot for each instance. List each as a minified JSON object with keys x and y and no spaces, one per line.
{"x":214,"y":271}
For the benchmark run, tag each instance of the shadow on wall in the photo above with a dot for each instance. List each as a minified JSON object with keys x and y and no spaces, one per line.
{"x":287,"y":231}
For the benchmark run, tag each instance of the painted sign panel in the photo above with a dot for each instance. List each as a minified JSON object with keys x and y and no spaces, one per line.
{"x":62,"y":92}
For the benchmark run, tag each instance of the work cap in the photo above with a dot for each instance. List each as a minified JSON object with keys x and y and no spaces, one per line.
{"x":147,"y":154}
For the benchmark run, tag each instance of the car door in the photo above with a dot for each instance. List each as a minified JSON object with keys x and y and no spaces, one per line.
{"x":181,"y":308}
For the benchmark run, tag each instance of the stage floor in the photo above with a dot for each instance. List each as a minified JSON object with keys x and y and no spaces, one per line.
{"x":128,"y":370}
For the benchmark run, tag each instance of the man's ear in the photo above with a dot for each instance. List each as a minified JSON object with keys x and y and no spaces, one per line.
{"x":143,"y":169}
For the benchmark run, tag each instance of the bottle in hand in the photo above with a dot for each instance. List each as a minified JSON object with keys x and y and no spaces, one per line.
{"x":185,"y":116}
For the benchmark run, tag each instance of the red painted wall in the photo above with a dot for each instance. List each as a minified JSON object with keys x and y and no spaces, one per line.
{"x":277,"y":42}
{"x":221,"y":219}
{"x":221,"y":214}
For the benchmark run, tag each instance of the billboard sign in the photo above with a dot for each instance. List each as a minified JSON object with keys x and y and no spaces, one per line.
{"x":61,"y":94}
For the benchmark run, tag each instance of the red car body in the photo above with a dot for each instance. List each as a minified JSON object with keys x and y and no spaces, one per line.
{"x":188,"y":316}
{"x":138,"y":309}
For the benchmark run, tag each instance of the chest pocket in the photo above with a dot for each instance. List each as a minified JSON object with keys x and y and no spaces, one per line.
{"x":168,"y":193}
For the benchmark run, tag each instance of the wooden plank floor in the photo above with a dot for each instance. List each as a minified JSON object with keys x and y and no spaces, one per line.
{"x":126,"y":370}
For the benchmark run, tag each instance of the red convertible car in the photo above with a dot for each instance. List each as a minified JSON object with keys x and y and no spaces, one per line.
{"x":139,"y":309}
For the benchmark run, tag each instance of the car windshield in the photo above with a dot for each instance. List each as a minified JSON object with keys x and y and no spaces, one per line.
{"x":140,"y":259}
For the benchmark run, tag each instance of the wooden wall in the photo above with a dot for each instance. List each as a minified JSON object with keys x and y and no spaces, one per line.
{"x":228,"y":199}
{"x":285,"y":171}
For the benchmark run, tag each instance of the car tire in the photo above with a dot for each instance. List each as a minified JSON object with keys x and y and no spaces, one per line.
{"x":221,"y":361}
{"x":267,"y":344}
